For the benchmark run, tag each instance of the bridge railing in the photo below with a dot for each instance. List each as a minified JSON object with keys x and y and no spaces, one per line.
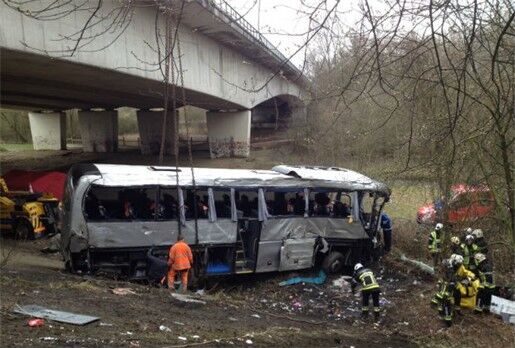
{"x":234,"y":17}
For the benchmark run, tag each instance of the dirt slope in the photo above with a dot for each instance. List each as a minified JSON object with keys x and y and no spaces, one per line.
{"x":253,"y":308}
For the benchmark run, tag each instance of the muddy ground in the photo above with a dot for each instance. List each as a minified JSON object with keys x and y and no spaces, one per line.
{"x":240,"y":311}
{"x":243,"y":311}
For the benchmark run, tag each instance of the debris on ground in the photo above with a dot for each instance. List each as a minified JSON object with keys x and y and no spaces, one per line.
{"x":35,"y":322}
{"x":320,"y":279}
{"x":64,"y":317}
{"x":164,"y":328}
{"x":343,"y":283}
{"x":503,"y":307}
{"x":419,"y":264}
{"x":53,"y":244}
{"x":48,"y":339}
{"x":123,"y":291}
{"x":187,"y":299}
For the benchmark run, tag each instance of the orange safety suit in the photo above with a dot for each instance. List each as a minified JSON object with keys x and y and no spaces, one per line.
{"x":180,"y":260}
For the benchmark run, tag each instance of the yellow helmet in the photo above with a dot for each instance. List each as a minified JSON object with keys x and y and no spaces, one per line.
{"x":455,"y":240}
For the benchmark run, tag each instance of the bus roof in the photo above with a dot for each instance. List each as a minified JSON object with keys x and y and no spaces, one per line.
{"x":280,"y":176}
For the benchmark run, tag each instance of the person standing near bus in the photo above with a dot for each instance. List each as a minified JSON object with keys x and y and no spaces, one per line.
{"x":386,"y":226}
{"x":435,"y":244}
{"x":369,"y":288}
{"x":180,"y":260}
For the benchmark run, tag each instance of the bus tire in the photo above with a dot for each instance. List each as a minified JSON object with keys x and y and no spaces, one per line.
{"x":23,"y":230}
{"x":333,"y":263}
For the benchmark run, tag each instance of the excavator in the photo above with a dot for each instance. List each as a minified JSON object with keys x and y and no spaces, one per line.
{"x":27,"y":214}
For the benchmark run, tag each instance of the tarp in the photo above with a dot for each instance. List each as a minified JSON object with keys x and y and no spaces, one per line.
{"x":320,"y":279}
{"x":51,"y":182}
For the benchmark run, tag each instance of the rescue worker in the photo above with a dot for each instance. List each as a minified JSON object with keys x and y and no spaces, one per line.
{"x":455,"y":245}
{"x":386,"y":226}
{"x":468,"y":250}
{"x":369,"y":288}
{"x":486,"y":288}
{"x":180,"y":260}
{"x":480,"y":241}
{"x":444,"y":298}
{"x":435,"y":244}
{"x":462,"y":277}
{"x":466,"y":232}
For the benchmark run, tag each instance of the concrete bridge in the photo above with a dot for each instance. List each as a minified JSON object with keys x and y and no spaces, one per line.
{"x":228,"y":68}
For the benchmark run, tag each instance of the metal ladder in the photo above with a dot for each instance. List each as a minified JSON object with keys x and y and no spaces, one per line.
{"x":241,"y":257}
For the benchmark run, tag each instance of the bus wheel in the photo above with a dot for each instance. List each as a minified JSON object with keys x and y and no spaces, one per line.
{"x":23,"y":230}
{"x":333,"y":263}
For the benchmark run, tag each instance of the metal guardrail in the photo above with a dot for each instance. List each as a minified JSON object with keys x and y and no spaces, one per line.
{"x":234,"y":17}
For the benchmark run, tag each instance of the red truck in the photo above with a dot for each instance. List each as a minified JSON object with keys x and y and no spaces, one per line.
{"x":467,"y":203}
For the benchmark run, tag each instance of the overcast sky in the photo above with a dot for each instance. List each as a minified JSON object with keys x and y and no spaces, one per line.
{"x":284,"y":21}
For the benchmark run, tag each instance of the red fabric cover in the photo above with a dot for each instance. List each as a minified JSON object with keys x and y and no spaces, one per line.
{"x":51,"y":182}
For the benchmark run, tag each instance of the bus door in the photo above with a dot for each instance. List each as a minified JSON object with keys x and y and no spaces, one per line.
{"x":297,"y":254}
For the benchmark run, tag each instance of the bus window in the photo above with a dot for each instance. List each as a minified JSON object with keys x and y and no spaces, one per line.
{"x":321,"y":203}
{"x":247,"y":203}
{"x":222,"y":203}
{"x":342,"y":205}
{"x":285,"y":203}
{"x":200,"y":197}
{"x":367,"y":202}
{"x":168,"y":203}
{"x":115,"y":203}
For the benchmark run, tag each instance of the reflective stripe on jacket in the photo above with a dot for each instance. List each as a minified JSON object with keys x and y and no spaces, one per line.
{"x":180,"y":256}
{"x":368,"y":280}
{"x":435,"y":242}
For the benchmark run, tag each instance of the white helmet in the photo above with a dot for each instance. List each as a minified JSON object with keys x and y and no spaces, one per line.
{"x":477,"y":233}
{"x":456,"y":259}
{"x":469,"y":239}
{"x":357,"y":266}
{"x":479,"y":257}
{"x":455,"y":240}
{"x":439,"y":226}
{"x":468,"y":230}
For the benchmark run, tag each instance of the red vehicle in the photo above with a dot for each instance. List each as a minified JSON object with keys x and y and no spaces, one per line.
{"x":467,"y":203}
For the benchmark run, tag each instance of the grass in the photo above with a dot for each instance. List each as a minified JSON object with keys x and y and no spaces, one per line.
{"x":16,"y":147}
{"x":407,"y":197}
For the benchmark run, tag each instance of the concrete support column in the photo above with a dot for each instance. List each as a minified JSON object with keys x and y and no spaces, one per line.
{"x":229,"y":133}
{"x":48,"y":130}
{"x":99,"y":131}
{"x":150,"y":125}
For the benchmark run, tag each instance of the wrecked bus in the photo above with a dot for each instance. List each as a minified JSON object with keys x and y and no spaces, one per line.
{"x":236,"y":221}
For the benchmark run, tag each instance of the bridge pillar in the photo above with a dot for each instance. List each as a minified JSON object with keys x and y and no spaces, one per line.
{"x":99,"y":131}
{"x":150,"y":125}
{"x":229,"y":133}
{"x":48,"y":130}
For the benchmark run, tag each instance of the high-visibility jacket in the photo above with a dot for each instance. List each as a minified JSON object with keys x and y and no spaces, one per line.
{"x":180,"y":256}
{"x":485,"y":274}
{"x":468,"y":252}
{"x":366,"y":278}
{"x":435,"y":242}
